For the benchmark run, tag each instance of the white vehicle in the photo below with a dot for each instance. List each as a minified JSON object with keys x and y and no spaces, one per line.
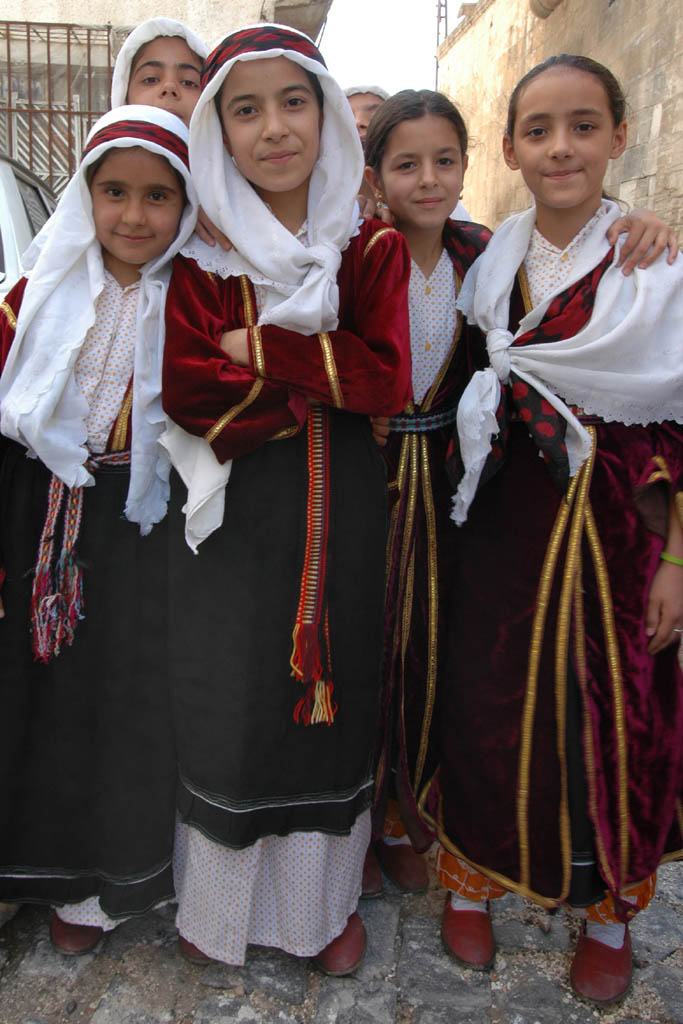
{"x":26,"y":202}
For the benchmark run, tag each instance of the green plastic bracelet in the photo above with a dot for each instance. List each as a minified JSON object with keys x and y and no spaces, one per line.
{"x":666,"y":557}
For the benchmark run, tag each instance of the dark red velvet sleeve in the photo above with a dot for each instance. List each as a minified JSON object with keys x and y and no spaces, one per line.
{"x":203,"y":391}
{"x":9,"y":311}
{"x":364,"y":365}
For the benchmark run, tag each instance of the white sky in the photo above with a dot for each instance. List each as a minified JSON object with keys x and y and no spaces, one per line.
{"x":390,"y":43}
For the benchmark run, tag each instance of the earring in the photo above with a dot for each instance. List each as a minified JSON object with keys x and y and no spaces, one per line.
{"x":381,"y":205}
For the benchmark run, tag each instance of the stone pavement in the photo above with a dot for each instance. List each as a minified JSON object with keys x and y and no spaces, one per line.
{"x":138,"y":977}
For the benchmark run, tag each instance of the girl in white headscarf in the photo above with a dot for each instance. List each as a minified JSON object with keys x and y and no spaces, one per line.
{"x":277,"y":351}
{"x":87,"y":774}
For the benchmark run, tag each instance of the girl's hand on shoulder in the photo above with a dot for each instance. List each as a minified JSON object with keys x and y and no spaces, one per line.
{"x":235,"y":344}
{"x":648,"y":237}
{"x":209,"y":233}
{"x":380,"y":429}
{"x":664,"y":607}
{"x":366,"y":206}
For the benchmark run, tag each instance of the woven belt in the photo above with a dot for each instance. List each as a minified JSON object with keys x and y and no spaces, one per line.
{"x":420,"y":422}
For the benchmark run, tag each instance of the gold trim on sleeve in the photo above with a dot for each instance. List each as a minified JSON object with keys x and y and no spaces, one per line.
{"x":9,"y":313}
{"x":284,"y":433}
{"x":231,"y":414}
{"x":331,"y":369}
{"x":376,"y":237}
{"x":257,"y":350}
{"x":249,"y":311}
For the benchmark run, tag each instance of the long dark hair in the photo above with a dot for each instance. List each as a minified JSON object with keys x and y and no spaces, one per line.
{"x":615,"y":94}
{"x":409,"y":105}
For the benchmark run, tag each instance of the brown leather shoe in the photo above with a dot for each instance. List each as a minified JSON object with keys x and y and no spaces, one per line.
{"x":405,"y":868}
{"x":468,"y":936}
{"x":600,"y":973}
{"x":345,"y":953}
{"x":372,"y":876}
{"x":193,"y":953}
{"x":73,"y":939}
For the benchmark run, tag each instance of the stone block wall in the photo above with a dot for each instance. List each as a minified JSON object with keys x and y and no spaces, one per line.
{"x":642,"y":43}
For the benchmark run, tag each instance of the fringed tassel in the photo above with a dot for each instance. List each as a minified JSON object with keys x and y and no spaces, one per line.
{"x":310,"y":659}
{"x":57,"y":594}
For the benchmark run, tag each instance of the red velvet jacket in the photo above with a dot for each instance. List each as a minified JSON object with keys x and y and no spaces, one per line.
{"x":363,"y":366}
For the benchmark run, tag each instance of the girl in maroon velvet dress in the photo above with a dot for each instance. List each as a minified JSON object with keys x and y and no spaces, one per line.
{"x":561,"y":714}
{"x":416,"y":149}
{"x":276,"y":352}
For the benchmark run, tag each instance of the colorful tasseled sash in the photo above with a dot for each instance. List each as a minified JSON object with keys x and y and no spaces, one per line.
{"x":311,"y":660}
{"x":57,"y":594}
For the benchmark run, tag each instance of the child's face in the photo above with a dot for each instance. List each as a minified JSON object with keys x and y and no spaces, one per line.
{"x":422,"y":173}
{"x":364,"y":105}
{"x":166,"y":73}
{"x":271,"y":124}
{"x":563,"y":138}
{"x":137,"y":203}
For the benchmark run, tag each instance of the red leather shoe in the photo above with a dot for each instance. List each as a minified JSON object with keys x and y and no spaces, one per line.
{"x":345,"y":953}
{"x":468,"y":936}
{"x":73,"y":939}
{"x":405,"y":868}
{"x":600,"y":973}
{"x":193,"y":953}
{"x":372,"y":875}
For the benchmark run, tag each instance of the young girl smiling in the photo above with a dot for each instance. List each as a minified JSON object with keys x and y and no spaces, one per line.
{"x":562,"y":711}
{"x":277,"y":351}
{"x":83,"y":641}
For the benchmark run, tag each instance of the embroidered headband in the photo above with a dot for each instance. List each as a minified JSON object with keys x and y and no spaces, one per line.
{"x":144,"y":131}
{"x":258,"y":39}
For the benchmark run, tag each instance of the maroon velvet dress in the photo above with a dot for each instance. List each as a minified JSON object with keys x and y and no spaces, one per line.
{"x":421,"y":545}
{"x":304,"y":530}
{"x":549,"y":684}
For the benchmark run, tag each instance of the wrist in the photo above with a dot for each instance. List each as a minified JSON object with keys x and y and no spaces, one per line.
{"x":671,"y":559}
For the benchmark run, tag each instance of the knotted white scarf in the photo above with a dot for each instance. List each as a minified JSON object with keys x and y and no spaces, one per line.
{"x":41,"y":405}
{"x":300,"y":282}
{"x":624,"y":365}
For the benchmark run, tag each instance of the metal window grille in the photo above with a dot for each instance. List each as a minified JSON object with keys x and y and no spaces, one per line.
{"x":54,"y":83}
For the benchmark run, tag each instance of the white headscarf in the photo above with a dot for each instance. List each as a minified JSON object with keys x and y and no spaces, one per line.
{"x":41,"y":405}
{"x":145,"y":33}
{"x":624,"y":365}
{"x":300,"y":281}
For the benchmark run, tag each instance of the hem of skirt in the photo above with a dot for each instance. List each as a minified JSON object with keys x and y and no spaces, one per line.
{"x":239,"y":831}
{"x":117,"y":900}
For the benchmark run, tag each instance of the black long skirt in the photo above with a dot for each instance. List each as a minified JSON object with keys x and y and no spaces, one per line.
{"x":87,"y":757}
{"x":247,"y":769}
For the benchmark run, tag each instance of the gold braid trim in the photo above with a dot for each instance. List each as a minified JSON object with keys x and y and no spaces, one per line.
{"x":230,"y":415}
{"x":331,"y":369}
{"x":432,"y":612}
{"x":614,"y":664}
{"x":507,"y":883}
{"x":284,"y":433}
{"x":257,"y":350}
{"x":438,"y":380}
{"x":249,"y":311}
{"x":376,"y":237}
{"x":535,"y":647}
{"x":9,"y":313}
{"x":571,"y":577}
{"x":118,"y":441}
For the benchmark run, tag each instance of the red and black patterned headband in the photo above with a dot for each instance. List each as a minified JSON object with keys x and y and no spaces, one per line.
{"x":143,"y":130}
{"x":256,"y":40}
